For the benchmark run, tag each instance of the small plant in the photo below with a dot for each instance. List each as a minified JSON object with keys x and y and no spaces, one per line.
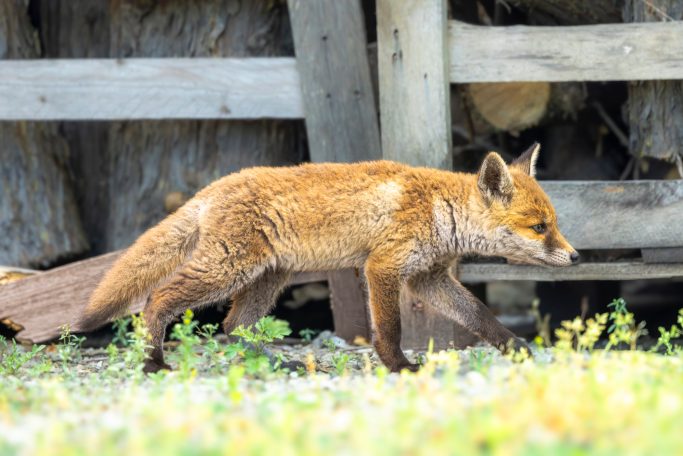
{"x":340,"y":360}
{"x":211,"y":346}
{"x":251,"y":348}
{"x":42,"y":366}
{"x":184,"y":333}
{"x":329,"y":344}
{"x":579,"y":334}
{"x":69,"y":348}
{"x":138,"y":344}
{"x":13,"y":357}
{"x":592,"y":332}
{"x":542,"y":324}
{"x":624,"y":328}
{"x":666,"y":336}
{"x":121,"y":331}
{"x":480,"y":360}
{"x":112,"y":353}
{"x":265,"y":331}
{"x":308,"y":334}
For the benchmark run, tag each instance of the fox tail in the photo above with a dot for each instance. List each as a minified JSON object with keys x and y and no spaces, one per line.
{"x":153,"y":257}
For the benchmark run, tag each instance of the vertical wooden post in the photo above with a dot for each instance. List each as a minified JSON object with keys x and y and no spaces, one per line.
{"x":341,"y":118}
{"x":414,"y":84}
{"x":331,"y":54}
{"x":415,"y":117}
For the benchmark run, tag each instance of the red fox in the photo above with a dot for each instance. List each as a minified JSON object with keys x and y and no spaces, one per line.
{"x":245,"y":234}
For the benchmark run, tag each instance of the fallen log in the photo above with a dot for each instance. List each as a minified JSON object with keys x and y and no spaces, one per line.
{"x":39,"y":305}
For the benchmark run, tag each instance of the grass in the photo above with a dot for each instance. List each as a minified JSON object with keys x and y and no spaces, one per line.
{"x":570,"y":398}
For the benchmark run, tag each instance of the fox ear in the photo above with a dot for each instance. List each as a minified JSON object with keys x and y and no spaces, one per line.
{"x":527,"y":161}
{"x":494,"y":179}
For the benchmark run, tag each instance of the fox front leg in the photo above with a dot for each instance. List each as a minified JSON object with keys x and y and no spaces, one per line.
{"x":384,"y":287}
{"x":450,"y":298}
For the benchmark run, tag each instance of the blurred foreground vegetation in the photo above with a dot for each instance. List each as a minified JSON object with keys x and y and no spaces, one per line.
{"x":570,"y":398}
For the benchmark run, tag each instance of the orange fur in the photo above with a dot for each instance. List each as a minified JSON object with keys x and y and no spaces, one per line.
{"x":242,"y":237}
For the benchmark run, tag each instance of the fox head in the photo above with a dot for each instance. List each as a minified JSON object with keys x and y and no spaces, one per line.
{"x":519,"y":216}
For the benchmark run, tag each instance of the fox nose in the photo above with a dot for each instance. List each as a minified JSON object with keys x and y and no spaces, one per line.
{"x":574,"y":256}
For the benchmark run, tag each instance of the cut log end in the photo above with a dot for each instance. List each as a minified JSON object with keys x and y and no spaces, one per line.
{"x":511,"y":106}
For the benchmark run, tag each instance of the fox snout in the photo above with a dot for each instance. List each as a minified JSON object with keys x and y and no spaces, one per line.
{"x":567,"y":254}
{"x":561,"y":257}
{"x":575,"y":257}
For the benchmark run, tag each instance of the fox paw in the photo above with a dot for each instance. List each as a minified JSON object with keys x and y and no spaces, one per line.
{"x":152,"y":366}
{"x":516,"y":344}
{"x":410,"y":367}
{"x":292,"y":365}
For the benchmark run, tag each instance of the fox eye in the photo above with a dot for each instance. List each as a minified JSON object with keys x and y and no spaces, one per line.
{"x":540,"y":228}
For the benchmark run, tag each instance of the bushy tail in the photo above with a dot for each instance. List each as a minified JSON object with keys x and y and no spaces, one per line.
{"x":153,"y":257}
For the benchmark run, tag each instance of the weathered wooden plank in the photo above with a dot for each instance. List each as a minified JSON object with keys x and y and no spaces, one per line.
{"x":413,"y":82}
{"x":145,"y":88}
{"x":341,"y":117}
{"x":485,"y":272}
{"x":664,"y":255}
{"x":308,"y":277}
{"x":415,"y":111}
{"x":616,"y":215}
{"x":332,"y":59}
{"x":348,"y":298}
{"x":39,"y":220}
{"x":42,"y":303}
{"x":653,"y":111}
{"x":612,"y":52}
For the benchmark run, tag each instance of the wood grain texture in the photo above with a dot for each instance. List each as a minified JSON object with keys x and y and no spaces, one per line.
{"x":511,"y":106}
{"x":332,"y":58}
{"x":348,"y":297}
{"x":42,"y":303}
{"x":654,"y":112}
{"x":663,"y":255}
{"x":341,"y":117}
{"x":420,"y":323}
{"x":146,"y":160}
{"x":611,"y":52}
{"x":486,"y":272}
{"x":413,"y":82}
{"x":80,"y":29}
{"x":619,"y":214}
{"x":110,"y":89}
{"x":39,"y":220}
{"x":415,"y":112}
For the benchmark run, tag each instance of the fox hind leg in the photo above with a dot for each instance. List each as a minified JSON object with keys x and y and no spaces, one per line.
{"x":450,"y":298}
{"x":198,"y":283}
{"x":255,"y":301}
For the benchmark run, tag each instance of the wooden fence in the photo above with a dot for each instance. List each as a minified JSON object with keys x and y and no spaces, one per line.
{"x":420,"y":53}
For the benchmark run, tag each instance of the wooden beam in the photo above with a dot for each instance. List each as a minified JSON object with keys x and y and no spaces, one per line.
{"x":486,"y":272}
{"x":414,"y":90}
{"x":413,"y":82}
{"x":173,"y":88}
{"x":332,"y":59}
{"x":611,"y":52}
{"x":348,"y":298}
{"x":42,"y":303}
{"x":663,"y":255}
{"x":619,"y":215}
{"x":341,"y":117}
